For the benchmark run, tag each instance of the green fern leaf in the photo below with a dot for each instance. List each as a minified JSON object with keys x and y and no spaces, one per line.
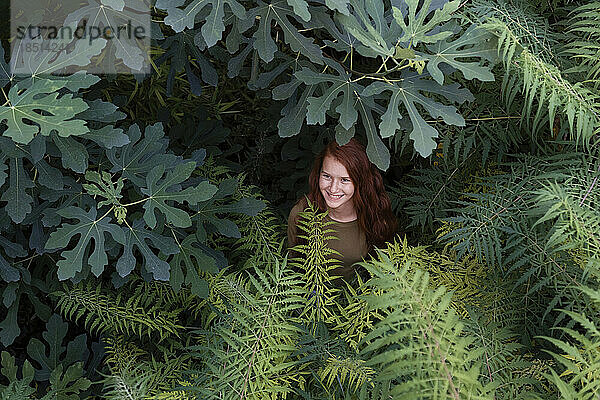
{"x":418,"y":348}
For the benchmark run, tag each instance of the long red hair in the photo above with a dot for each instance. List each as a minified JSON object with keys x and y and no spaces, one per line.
{"x":371,"y":202}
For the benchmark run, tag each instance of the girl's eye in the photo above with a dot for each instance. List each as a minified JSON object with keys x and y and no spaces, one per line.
{"x":345,"y":180}
{"x":325,"y":176}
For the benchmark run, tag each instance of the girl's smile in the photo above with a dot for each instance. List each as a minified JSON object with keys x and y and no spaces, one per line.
{"x":337,"y":189}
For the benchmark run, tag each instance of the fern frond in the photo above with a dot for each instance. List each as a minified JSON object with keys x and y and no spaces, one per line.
{"x":128,"y":383}
{"x":585,"y":22}
{"x":530,"y":67}
{"x":428,"y":195}
{"x":576,"y":226}
{"x":261,"y":241}
{"x":160,"y":375}
{"x":482,"y":222}
{"x":315,"y":259}
{"x":474,"y":284}
{"x":159,"y":295}
{"x":355,"y":319}
{"x":213,"y":170}
{"x":225,"y":288}
{"x":120,"y":353}
{"x":419,"y":349}
{"x":246,"y":353}
{"x":346,"y":372}
{"x":102,"y":311}
{"x":578,"y":353}
{"x":540,"y":256}
{"x":520,"y":18}
{"x":503,"y":363}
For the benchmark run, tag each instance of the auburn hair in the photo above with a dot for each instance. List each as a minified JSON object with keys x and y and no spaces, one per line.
{"x":370,"y":200}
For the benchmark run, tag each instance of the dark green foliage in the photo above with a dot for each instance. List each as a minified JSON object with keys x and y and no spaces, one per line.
{"x":533,"y":66}
{"x":148,"y":210}
{"x":60,"y":368}
{"x":64,"y":385}
{"x":107,"y":211}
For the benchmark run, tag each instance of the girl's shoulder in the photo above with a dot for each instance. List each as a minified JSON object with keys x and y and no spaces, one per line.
{"x":297,"y":209}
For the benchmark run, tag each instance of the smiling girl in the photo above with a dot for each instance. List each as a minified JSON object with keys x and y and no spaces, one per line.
{"x":346,"y":184}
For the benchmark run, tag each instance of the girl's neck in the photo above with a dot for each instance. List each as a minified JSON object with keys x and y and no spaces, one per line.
{"x":346,"y":214}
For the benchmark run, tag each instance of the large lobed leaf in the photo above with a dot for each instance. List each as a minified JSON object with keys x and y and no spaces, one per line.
{"x":141,"y":154}
{"x":27,"y":98}
{"x":280,"y":11}
{"x":87,"y":228}
{"x":114,"y":14}
{"x":214,"y":24}
{"x":160,"y":190}
{"x":178,"y":48}
{"x":57,"y":353}
{"x":409,"y":31}
{"x":474,"y":42}
{"x":409,"y":93}
{"x":136,"y":235}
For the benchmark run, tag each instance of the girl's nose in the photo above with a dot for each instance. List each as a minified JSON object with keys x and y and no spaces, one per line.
{"x":334,"y":186}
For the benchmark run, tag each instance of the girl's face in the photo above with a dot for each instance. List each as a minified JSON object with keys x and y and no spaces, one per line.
{"x":336,"y":186}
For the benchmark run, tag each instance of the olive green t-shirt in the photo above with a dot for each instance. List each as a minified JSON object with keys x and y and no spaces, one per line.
{"x":350,"y":241}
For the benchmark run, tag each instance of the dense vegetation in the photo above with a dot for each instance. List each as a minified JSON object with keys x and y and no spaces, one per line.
{"x":142,"y":219}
